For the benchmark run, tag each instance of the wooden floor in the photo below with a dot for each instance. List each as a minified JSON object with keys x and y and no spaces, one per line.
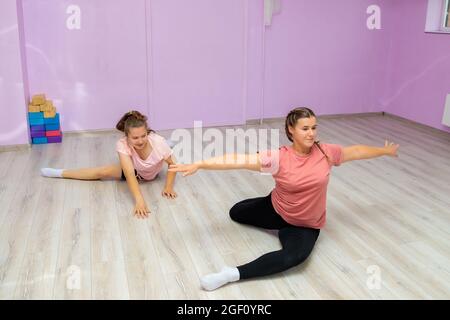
{"x":390,"y":215}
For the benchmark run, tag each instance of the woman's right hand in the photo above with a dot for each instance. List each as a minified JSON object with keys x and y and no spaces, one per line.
{"x":187,"y":169}
{"x":141,"y":210}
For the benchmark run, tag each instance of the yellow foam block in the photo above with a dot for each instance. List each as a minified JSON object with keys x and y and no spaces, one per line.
{"x":38,"y":99}
{"x":47,"y":106}
{"x":32,"y":108}
{"x":50,"y":114}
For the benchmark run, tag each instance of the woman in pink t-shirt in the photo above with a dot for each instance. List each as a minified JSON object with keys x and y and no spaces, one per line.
{"x":297,"y":205}
{"x":142,"y":154}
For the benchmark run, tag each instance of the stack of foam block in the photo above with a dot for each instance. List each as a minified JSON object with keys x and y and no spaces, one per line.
{"x":44,"y":121}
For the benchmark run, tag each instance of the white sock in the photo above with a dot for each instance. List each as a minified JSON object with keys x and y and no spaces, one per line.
{"x":213,"y":281}
{"x":52,"y":173}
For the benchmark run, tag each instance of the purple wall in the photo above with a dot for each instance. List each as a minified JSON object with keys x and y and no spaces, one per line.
{"x":255,"y":61}
{"x":419,"y":77}
{"x":197,"y":65}
{"x":94,"y":74}
{"x":321,"y":54}
{"x":179,"y":61}
{"x":176,"y":61}
{"x":13,"y":121}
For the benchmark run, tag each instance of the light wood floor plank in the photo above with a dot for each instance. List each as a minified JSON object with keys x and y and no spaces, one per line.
{"x":389,"y":213}
{"x":73,"y":270}
{"x":43,"y":240}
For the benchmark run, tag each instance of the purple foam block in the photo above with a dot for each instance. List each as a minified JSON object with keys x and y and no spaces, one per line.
{"x":37,"y":134}
{"x":55,"y":139}
{"x":37,"y":128}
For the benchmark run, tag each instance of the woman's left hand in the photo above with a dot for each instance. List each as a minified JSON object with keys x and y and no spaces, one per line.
{"x":169,"y":193}
{"x":391,"y":148}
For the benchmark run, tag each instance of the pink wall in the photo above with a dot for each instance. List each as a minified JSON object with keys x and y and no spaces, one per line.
{"x":180,"y":61}
{"x":321,"y":54}
{"x":197,"y":65}
{"x":176,"y":61}
{"x":419,"y":77}
{"x":255,"y":61}
{"x":94,"y":74}
{"x":13,"y":121}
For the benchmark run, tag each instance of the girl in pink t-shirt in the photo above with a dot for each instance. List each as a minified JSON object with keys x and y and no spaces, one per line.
{"x":297,"y":205}
{"x":142,"y":154}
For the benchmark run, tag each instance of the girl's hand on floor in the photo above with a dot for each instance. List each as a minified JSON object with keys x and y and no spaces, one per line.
{"x":169,"y":193}
{"x":140,"y":210}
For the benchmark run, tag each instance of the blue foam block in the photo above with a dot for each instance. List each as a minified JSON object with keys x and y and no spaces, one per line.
{"x":36,"y":122}
{"x":35,"y":115}
{"x":42,"y":140}
{"x":54,"y":120}
{"x":51,"y":127}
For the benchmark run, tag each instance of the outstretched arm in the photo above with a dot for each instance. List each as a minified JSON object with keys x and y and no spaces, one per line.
{"x":226,"y":162}
{"x":360,"y":152}
{"x":140,"y":209}
{"x":168,"y":191}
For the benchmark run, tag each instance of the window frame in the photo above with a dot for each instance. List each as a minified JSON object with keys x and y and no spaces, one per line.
{"x":445,"y":16}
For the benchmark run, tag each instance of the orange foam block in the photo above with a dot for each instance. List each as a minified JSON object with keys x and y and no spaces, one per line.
{"x":32,"y":108}
{"x":38,"y":99}
{"x":47,"y":106}
{"x":50,"y":114}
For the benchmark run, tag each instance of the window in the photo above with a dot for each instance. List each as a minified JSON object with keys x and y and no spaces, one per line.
{"x":438,"y":16}
{"x":446,"y":14}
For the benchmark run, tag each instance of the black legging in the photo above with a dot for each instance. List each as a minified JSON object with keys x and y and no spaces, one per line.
{"x":297,"y":242}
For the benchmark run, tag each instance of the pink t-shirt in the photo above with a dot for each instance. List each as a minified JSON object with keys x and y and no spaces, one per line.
{"x":150,"y":167}
{"x":299,"y":196}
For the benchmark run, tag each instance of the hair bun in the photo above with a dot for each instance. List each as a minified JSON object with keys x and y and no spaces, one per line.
{"x":137,"y":115}
{"x":132,"y":119}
